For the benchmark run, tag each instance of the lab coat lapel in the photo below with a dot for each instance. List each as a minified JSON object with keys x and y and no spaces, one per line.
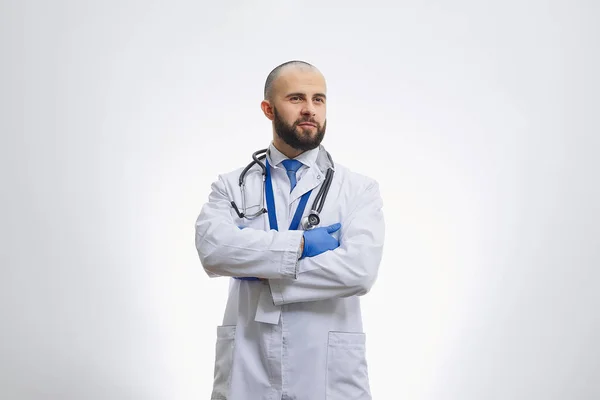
{"x":311,"y":179}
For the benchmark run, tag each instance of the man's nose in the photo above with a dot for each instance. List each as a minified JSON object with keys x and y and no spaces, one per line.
{"x":308,"y":109}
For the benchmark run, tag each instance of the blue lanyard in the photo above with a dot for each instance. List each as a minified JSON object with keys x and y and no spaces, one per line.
{"x":273,"y":214}
{"x":271,"y":204}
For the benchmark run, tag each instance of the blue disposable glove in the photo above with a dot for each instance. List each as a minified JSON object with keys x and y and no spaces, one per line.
{"x":319,"y":240}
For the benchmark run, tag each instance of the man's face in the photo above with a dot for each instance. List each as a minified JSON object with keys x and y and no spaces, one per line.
{"x":299,"y":108}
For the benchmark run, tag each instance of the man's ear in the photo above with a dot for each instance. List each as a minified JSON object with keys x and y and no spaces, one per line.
{"x":267,"y":109}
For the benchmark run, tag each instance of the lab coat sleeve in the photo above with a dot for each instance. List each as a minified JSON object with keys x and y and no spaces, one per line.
{"x":349,"y":270}
{"x":226,"y":250}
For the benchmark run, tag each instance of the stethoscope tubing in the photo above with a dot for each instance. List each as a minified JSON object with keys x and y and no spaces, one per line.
{"x":257,"y":158}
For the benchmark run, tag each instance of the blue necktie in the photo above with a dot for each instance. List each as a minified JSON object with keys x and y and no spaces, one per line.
{"x":291,"y":166}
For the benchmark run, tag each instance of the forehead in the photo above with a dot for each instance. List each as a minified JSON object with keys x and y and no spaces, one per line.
{"x":299,"y":80}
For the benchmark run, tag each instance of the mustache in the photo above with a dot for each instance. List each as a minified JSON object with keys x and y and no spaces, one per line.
{"x":311,"y":120}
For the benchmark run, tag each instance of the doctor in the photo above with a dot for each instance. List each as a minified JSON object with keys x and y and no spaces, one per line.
{"x":292,"y":327}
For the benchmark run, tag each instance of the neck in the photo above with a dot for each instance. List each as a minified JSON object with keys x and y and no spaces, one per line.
{"x":286,"y":149}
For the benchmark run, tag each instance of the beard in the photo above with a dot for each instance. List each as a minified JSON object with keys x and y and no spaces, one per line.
{"x":299,"y":141}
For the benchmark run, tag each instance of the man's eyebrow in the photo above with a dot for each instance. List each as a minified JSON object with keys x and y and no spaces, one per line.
{"x":304,"y":95}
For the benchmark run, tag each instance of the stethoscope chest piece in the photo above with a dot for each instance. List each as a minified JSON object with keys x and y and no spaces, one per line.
{"x":311,"y":221}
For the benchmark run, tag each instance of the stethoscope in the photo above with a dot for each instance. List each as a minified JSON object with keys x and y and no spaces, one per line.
{"x":309,"y":222}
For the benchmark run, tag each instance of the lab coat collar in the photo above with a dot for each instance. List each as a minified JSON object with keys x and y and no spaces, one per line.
{"x":317,"y":162}
{"x":308,"y":158}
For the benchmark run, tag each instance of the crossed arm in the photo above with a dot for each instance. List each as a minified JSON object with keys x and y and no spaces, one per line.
{"x":351,"y":269}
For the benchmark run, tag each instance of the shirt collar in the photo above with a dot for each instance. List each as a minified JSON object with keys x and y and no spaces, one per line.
{"x":308,"y":158}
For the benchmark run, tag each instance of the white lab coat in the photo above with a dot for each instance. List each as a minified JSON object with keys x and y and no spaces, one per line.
{"x":298,"y":334}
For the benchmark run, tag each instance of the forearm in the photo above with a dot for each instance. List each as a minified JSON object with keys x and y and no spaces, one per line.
{"x":337,"y":273}
{"x":226,"y":250}
{"x":349,"y":270}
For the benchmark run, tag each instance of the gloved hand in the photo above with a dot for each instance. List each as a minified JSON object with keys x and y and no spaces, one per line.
{"x":319,"y":240}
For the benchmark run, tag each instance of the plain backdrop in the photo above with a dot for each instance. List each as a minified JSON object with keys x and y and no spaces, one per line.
{"x":478,"y":119}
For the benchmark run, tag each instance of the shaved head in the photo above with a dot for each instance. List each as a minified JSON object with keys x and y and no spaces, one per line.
{"x":273,"y":75}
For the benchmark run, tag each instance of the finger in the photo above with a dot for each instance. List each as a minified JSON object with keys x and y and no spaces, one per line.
{"x":334,"y":227}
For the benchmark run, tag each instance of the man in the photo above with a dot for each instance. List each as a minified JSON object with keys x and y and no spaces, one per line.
{"x":292,"y":327}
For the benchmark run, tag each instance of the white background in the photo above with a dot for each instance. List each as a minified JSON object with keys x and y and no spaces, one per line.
{"x":479,"y":120}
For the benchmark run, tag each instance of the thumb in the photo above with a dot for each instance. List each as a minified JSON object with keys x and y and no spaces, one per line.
{"x":334,"y":227}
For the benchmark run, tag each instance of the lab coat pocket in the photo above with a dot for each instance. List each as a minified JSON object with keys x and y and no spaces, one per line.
{"x":347,"y":375}
{"x":223,"y":362}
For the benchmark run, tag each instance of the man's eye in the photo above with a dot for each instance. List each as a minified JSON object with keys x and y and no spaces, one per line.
{"x":294,"y":98}
{"x":319,"y":99}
